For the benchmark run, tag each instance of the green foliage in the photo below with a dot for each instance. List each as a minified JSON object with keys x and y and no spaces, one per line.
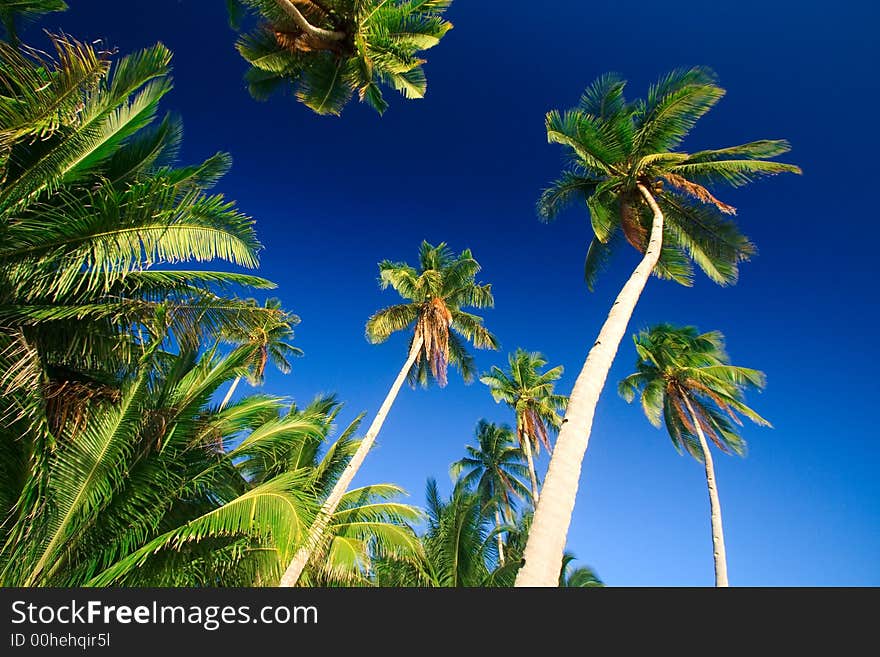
{"x":90,"y":201}
{"x":617,"y":148}
{"x":434,"y":295}
{"x":582,"y":577}
{"x":160,"y":488}
{"x":460,"y":549}
{"x":530,"y":393}
{"x":115,"y":466}
{"x":328,"y":51}
{"x":678,"y":366}
{"x":14,"y":13}
{"x":459,"y":546}
{"x":268,"y":341}
{"x":494,"y":469}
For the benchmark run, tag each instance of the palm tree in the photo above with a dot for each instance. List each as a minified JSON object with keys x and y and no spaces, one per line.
{"x":636,"y":183}
{"x":90,"y":200}
{"x":530,"y":394}
{"x":268,"y":342}
{"x":141,"y":489}
{"x":494,"y":469}
{"x":14,"y":12}
{"x":434,"y":296}
{"x":685,"y":380}
{"x":331,"y":49}
{"x":159,"y":488}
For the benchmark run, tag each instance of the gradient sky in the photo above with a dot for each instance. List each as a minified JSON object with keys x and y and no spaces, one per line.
{"x":332,"y":197}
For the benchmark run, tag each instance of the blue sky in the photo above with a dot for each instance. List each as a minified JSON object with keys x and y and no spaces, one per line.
{"x":332,"y":197}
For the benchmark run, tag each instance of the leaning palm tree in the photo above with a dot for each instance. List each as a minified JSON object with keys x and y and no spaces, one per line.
{"x":331,"y":49}
{"x":434,"y":296}
{"x":626,"y":165}
{"x":15,"y":12}
{"x":686,"y":381}
{"x":530,"y":394}
{"x":494,"y":469}
{"x":268,"y":341}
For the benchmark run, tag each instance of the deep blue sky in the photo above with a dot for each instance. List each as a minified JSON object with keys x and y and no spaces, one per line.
{"x":334,"y":196}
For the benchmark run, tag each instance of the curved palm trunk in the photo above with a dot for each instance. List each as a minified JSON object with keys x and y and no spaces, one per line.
{"x":316,"y":32}
{"x":229,"y":394}
{"x":301,"y":558}
{"x":498,"y":537}
{"x":546,"y":542}
{"x":719,"y":553}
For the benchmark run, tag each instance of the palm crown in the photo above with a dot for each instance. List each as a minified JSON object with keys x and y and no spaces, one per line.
{"x":269,"y":340}
{"x":434,"y":295}
{"x":494,"y":468}
{"x":529,"y":393}
{"x":678,"y":368}
{"x":617,"y":146}
{"x":332,"y":49}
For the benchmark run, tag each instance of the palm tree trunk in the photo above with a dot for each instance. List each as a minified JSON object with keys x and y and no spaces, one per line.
{"x":301,"y":558}
{"x":229,"y":394}
{"x":546,"y":542}
{"x":719,"y":553}
{"x":527,"y":448}
{"x":498,"y":537}
{"x":317,"y":32}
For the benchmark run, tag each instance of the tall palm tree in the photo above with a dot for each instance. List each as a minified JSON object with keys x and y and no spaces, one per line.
{"x":626,"y":165}
{"x":434,"y":296}
{"x":331,"y":49}
{"x":686,"y":381}
{"x":15,"y":12}
{"x":530,"y":394}
{"x":268,"y":341}
{"x":493,"y":468}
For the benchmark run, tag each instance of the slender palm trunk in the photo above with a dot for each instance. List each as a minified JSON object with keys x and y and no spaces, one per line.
{"x":498,"y":537}
{"x":317,"y":32}
{"x":301,"y":558}
{"x":526,"y":442}
{"x":546,"y":542}
{"x":229,"y":393}
{"x":718,"y":551}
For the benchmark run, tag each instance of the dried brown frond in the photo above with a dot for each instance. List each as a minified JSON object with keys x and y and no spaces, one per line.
{"x":536,"y":430}
{"x":697,"y":191}
{"x":296,"y":40}
{"x":711,"y":394}
{"x":68,"y":402}
{"x":433,"y":326}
